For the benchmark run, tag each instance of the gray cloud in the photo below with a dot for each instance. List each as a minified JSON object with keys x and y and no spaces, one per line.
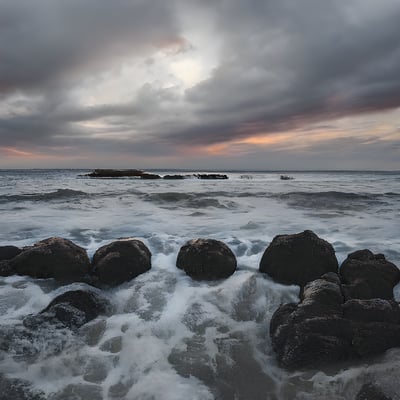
{"x":43,"y":41}
{"x":283,"y":65}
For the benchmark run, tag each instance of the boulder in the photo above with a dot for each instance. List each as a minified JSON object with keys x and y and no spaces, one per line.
{"x":370,"y":391}
{"x":299,"y":258}
{"x":121,"y":261}
{"x":206,"y":259}
{"x":368,"y":276}
{"x":71,"y":309}
{"x":9,"y":252}
{"x":324,"y":328}
{"x":54,"y":257}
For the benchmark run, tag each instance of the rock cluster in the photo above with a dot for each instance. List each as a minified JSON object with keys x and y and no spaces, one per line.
{"x":136,"y":173}
{"x":344,"y":313}
{"x":67,"y":262}
{"x":332,"y":323}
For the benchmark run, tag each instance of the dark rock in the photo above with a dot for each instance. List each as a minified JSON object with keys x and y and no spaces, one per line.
{"x":9,"y":252}
{"x":54,"y":257}
{"x":174,"y":177}
{"x":211,"y":176}
{"x":206,"y":259}
{"x":121,"y":261}
{"x":6,"y":269}
{"x":16,"y":389}
{"x":115,"y":173}
{"x":71,"y":309}
{"x":373,"y":338}
{"x":298,"y":259}
{"x":150,"y":176}
{"x":370,"y":391}
{"x":323,"y":328}
{"x":369,"y":275}
{"x":373,"y":310}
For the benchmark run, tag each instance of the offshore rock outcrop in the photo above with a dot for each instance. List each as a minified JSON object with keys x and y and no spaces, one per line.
{"x":115,"y":173}
{"x":206,"y":259}
{"x":299,"y":258}
{"x":54,"y":257}
{"x":121,"y":261}
{"x":325,"y":328}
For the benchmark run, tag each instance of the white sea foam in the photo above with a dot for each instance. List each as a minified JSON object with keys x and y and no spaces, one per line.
{"x":171,"y":337}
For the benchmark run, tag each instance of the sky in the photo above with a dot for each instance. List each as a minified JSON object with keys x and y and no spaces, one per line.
{"x":200,"y":84}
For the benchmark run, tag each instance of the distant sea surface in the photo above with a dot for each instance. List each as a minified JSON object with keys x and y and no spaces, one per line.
{"x":171,"y":337}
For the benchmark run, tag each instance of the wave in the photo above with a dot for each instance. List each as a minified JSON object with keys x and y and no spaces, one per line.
{"x":332,"y":199}
{"x":59,"y":194}
{"x":188,"y":200}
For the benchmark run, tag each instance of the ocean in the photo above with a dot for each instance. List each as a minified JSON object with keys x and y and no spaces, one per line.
{"x":172,"y":338}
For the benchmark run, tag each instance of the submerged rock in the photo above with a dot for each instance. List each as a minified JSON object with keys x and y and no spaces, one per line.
{"x":121,"y":261}
{"x":206,"y":259}
{"x":54,"y":257}
{"x":298,"y":258}
{"x":368,"y":276}
{"x":371,"y":391}
{"x":324,"y":328}
{"x":71,"y":309}
{"x":16,"y":389}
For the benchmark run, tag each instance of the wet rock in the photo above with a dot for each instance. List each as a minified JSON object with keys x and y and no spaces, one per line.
{"x":324,"y":328}
{"x":369,"y":275}
{"x":298,"y":258}
{"x":71,"y":309}
{"x":371,"y":391}
{"x":6,"y":269}
{"x":121,"y":261}
{"x":211,"y":176}
{"x":171,"y":177}
{"x":9,"y":252}
{"x":149,"y":176}
{"x":54,"y":257}
{"x":373,"y":310}
{"x":206,"y":259}
{"x":16,"y":389}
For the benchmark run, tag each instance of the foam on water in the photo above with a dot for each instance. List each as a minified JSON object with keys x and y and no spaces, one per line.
{"x":170,"y":337}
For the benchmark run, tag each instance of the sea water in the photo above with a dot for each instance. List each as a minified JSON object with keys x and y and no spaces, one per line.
{"x":171,"y":338}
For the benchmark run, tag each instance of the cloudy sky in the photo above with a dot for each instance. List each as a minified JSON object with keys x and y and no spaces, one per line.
{"x":216,"y":84}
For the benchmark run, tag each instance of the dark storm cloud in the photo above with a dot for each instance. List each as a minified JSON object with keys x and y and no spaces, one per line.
{"x":282,"y":65}
{"x":42,"y":41}
{"x":287,"y":63}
